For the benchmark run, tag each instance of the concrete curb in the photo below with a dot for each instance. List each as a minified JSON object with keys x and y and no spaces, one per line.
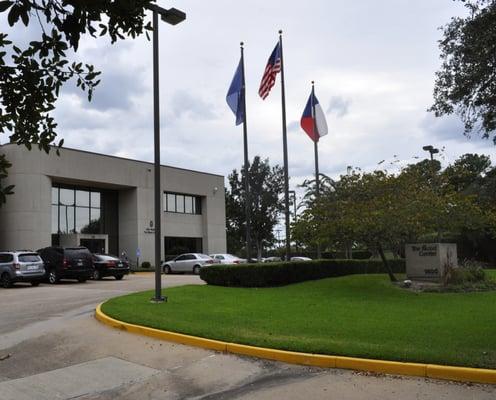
{"x":461,"y":374}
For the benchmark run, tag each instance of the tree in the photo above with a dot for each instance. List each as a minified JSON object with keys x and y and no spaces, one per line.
{"x":382,"y":210}
{"x":467,"y":172}
{"x":30,"y":82}
{"x":266,"y":187}
{"x":466,"y":82}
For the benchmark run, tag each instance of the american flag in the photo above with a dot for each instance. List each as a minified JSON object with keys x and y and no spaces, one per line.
{"x":271,"y":70}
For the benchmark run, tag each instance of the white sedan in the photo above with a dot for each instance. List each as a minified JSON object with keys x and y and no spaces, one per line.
{"x":299,"y":258}
{"x":227,"y":259}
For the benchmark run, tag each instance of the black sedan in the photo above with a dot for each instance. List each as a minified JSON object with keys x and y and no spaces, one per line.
{"x":107,"y":265}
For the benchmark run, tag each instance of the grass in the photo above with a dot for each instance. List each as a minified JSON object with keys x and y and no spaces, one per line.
{"x":359,"y":315}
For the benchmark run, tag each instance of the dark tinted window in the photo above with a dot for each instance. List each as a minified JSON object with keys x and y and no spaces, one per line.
{"x":5,"y":258}
{"x":77,"y":253}
{"x":190,"y":257}
{"x":29,"y":257}
{"x":181,"y":258}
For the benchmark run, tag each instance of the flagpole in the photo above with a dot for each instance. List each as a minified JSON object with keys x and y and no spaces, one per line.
{"x":247,"y":173}
{"x":285,"y":153}
{"x":316,"y":152}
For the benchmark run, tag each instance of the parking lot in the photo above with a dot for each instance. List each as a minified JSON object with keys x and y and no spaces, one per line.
{"x":52,"y":347}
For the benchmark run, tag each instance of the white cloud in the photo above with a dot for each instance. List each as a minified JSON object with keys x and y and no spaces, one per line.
{"x":373,"y":64}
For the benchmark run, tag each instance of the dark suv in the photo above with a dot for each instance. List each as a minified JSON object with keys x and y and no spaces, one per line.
{"x":67,"y":263}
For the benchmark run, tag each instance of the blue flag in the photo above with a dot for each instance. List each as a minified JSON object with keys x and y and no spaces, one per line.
{"x":235,"y":94}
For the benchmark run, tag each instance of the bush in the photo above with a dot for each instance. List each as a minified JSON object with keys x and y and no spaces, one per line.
{"x":464,"y":275}
{"x":284,"y":273}
{"x":146,"y":264}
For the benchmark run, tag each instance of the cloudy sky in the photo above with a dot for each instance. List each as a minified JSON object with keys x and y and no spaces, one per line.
{"x":373,"y":63}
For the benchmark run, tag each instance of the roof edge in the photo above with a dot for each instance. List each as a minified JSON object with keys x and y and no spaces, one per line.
{"x":122,"y":158}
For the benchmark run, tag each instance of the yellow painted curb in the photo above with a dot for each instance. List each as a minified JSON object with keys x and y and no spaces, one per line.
{"x":478,"y":375}
{"x":160,"y":334}
{"x":381,"y":366}
{"x":317,"y":360}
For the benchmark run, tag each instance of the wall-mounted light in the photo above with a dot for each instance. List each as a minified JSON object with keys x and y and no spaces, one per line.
{"x":215,"y":189}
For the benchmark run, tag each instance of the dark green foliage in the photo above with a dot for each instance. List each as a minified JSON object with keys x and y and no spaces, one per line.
{"x":146,"y":264}
{"x":466,"y":82}
{"x":266,"y":187}
{"x":462,"y":275}
{"x":284,"y":273}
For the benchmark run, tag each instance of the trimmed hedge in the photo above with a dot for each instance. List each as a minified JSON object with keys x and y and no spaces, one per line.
{"x":284,"y":273}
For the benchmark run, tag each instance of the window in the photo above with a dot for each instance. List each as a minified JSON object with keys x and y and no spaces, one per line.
{"x":67,"y":197}
{"x":5,"y":258}
{"x":55,"y":218}
{"x":29,"y":257}
{"x":182,"y":203}
{"x":180,"y":245}
{"x":82,"y":198}
{"x":55,"y":195}
{"x":179,"y":203}
{"x":188,"y":205}
{"x":82,"y":218}
{"x":75,"y":210}
{"x":95,"y":199}
{"x":171,"y":203}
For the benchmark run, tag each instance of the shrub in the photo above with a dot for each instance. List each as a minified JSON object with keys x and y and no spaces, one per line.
{"x":283,"y":273}
{"x":145,"y":264}
{"x":463,"y":275}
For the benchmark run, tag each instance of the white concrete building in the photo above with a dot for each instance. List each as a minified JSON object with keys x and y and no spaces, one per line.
{"x":106,"y":203}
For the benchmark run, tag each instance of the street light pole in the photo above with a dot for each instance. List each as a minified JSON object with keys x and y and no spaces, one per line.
{"x":172,"y":17}
{"x":156,"y":143}
{"x":432,"y":150}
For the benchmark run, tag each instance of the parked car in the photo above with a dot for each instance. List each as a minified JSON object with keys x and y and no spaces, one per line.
{"x":189,"y":262}
{"x":20,"y":266}
{"x":67,"y":263}
{"x":300,"y":258}
{"x":271,"y":259}
{"x":227,"y":259}
{"x":108,"y":265}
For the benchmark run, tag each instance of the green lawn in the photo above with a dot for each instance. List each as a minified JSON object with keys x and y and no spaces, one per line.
{"x":358,"y":315}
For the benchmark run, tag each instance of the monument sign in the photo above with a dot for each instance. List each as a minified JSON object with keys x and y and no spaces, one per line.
{"x":430,"y":261}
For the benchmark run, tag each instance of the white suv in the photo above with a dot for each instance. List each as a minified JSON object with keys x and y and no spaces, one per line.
{"x":20,"y":266}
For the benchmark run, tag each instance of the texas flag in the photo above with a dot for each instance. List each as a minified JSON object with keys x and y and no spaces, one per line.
{"x":314,"y":125}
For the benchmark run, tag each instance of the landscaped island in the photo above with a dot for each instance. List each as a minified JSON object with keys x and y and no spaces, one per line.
{"x":359,"y":315}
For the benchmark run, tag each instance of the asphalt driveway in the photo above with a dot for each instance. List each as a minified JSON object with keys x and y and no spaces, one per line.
{"x":52,"y":347}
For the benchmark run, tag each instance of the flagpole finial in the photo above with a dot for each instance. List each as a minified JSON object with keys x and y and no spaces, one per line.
{"x":280,"y":31}
{"x":241,"y":44}
{"x":313,"y":82}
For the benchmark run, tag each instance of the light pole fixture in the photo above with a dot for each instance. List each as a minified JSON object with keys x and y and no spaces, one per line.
{"x":173,"y":17}
{"x":432,"y":150}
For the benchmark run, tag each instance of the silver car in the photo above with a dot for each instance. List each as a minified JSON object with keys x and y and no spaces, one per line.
{"x":189,"y":262}
{"x":226,"y":259}
{"x":20,"y":266}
